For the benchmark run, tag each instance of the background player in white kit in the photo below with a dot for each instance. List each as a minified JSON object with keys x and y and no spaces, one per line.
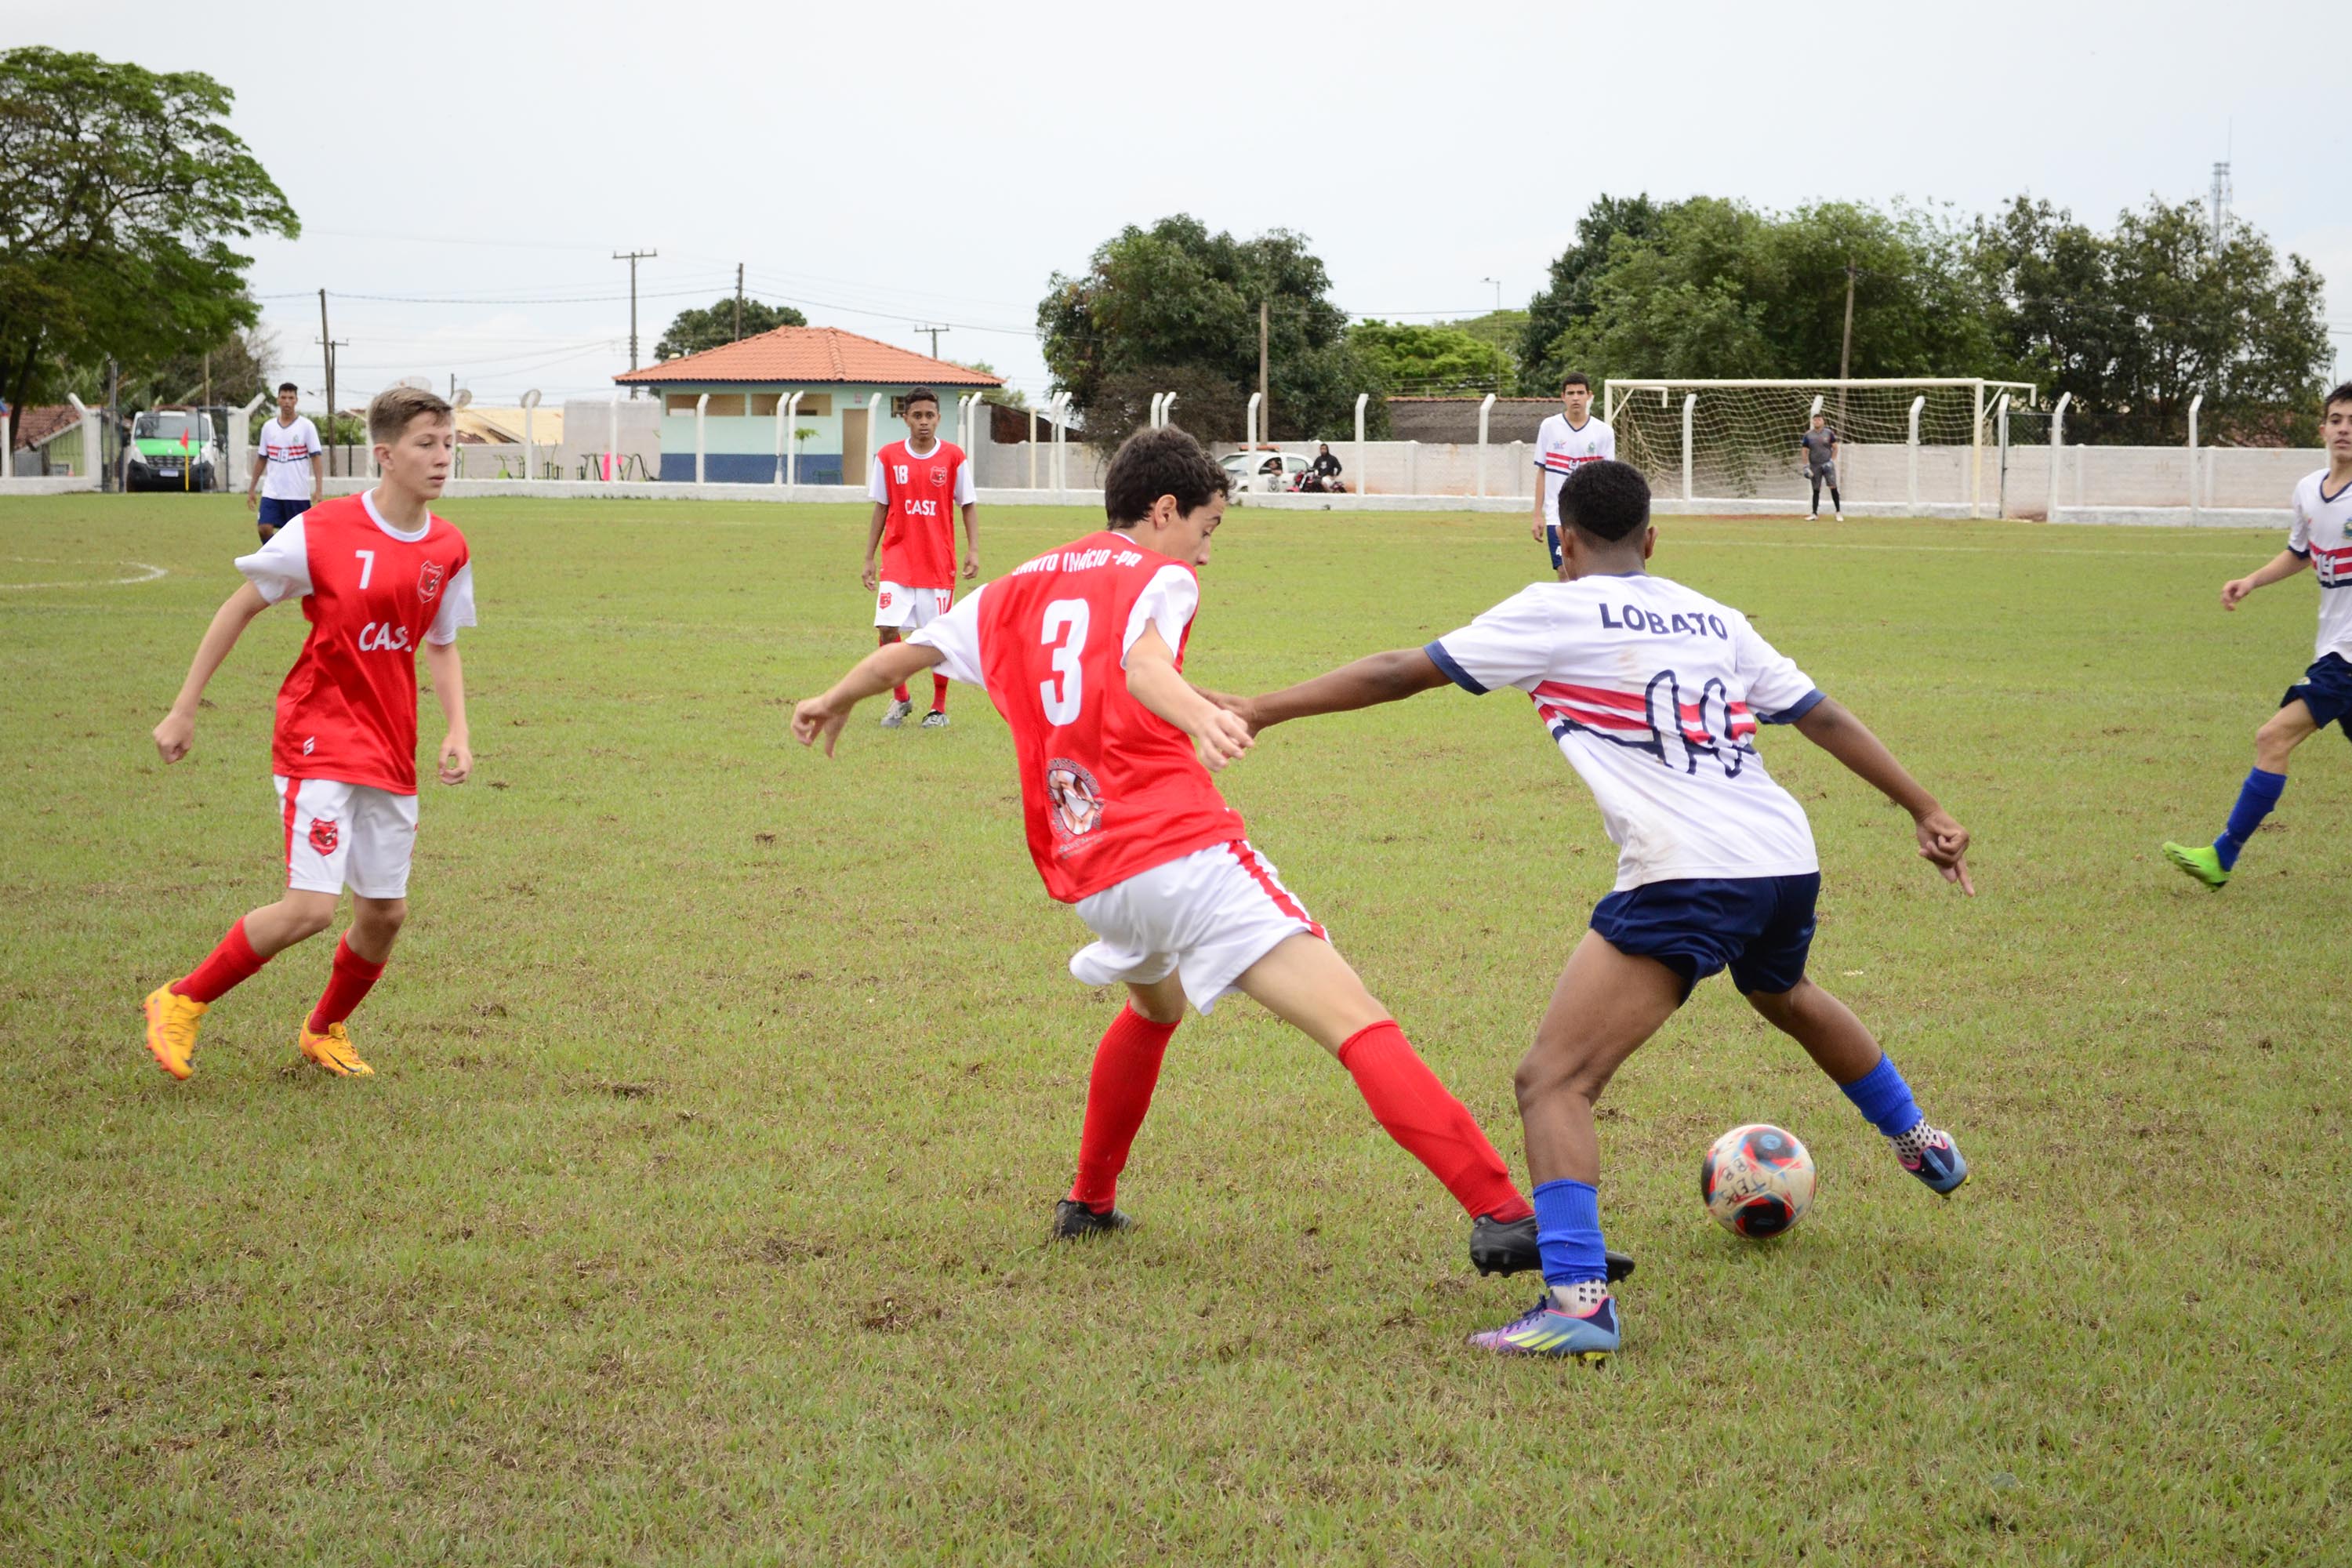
{"x":1565,"y":443}
{"x":286,"y":477}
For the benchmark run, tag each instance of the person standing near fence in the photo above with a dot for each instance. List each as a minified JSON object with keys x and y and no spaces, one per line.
{"x":294,"y":484}
{"x":1565,"y":443}
{"x":1820,"y":445}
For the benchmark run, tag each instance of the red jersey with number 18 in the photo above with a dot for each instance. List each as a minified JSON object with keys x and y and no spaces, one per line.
{"x":922,"y":493}
{"x":1109,"y":788}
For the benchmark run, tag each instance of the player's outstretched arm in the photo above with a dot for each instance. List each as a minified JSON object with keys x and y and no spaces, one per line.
{"x":449,"y":691}
{"x":1380,"y":677}
{"x":2278,"y":569}
{"x":821,"y":717}
{"x":178,"y":732}
{"x":1153,"y":679}
{"x":1942,"y":840}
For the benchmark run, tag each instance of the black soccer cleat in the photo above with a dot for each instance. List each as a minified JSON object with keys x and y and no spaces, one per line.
{"x":1500,"y":1248}
{"x":1073,"y":1221}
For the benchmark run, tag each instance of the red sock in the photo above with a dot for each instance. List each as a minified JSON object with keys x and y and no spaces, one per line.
{"x":346,"y":987}
{"x":1127,"y":1069}
{"x":938,"y":694}
{"x":1435,"y":1128}
{"x":232,"y":963}
{"x":899,"y":691}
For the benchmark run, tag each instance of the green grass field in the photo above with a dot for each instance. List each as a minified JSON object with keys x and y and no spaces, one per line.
{"x":697,"y":1213}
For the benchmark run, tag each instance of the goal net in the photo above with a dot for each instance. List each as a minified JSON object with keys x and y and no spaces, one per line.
{"x":1928,"y":446}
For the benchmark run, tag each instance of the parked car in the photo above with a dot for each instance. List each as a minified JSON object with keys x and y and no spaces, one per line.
{"x":170,"y":449}
{"x":1247,"y":471}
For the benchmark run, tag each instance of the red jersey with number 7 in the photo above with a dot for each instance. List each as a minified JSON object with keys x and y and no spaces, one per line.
{"x":374,"y":596}
{"x":1109,"y":788}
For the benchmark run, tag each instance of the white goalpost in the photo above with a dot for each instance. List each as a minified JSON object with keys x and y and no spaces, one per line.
{"x":1923,"y":446}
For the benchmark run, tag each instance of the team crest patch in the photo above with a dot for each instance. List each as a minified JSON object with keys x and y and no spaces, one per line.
{"x":885,"y":598}
{"x":429,"y":579}
{"x":938,"y":476}
{"x":1076,"y":800}
{"x":324,"y":835}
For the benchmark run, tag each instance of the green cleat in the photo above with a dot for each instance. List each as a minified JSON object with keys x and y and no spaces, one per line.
{"x":2199,"y":861}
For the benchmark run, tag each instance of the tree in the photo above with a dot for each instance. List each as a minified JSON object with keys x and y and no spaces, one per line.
{"x":1436,"y":360}
{"x":1207,"y":405}
{"x":1177,"y":297}
{"x":2137,"y":322}
{"x":1569,"y":300}
{"x":120,"y":189}
{"x":693,"y":330}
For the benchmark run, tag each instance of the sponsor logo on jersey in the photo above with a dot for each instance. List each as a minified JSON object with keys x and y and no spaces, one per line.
{"x":383,"y":637}
{"x":429,"y":579}
{"x":309,"y":744}
{"x":324,"y":834}
{"x":1075,"y":799}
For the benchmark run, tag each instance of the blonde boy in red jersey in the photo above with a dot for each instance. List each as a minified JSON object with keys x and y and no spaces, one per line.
{"x":377,"y":576}
{"x":915,"y":484}
{"x":1082,"y":650}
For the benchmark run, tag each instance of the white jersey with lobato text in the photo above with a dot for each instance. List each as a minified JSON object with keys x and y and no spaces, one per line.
{"x":1653,"y":693}
{"x":2322,"y":534}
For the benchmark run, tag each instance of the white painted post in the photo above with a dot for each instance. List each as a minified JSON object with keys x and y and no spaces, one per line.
{"x":1976,"y":453}
{"x":1412,"y":468}
{"x":1362,"y":473}
{"x":1154,"y":421}
{"x":791,"y":409}
{"x":2057,"y":451}
{"x":1061,"y":443}
{"x":612,"y":440}
{"x":2000,"y":493}
{"x":93,"y":452}
{"x":1485,"y":408}
{"x":1166,"y":409}
{"x":2194,"y":405}
{"x":872,"y":429}
{"x":7,"y":447}
{"x":700,"y":404}
{"x":1250,"y":423}
{"x":1912,"y":440}
{"x":239,"y":462}
{"x":1033,"y":447}
{"x":529,"y":449}
{"x":1690,"y":403}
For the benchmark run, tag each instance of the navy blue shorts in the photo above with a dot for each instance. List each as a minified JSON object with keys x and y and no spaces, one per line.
{"x":2326,"y":690}
{"x":276,"y":513}
{"x":1760,"y":928}
{"x":1551,"y":538}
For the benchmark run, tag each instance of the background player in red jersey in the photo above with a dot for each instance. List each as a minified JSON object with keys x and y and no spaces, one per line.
{"x":1082,"y":650}
{"x":915,"y":484}
{"x":377,"y":574}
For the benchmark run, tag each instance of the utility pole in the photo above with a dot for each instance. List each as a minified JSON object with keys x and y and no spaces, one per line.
{"x":935,"y":332}
{"x":1845,"y":349}
{"x":1264,"y":404}
{"x":633,"y":257}
{"x":1498,"y":291}
{"x":738,"y":301}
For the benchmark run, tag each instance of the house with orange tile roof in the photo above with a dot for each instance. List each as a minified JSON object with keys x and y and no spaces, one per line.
{"x":852,"y":399}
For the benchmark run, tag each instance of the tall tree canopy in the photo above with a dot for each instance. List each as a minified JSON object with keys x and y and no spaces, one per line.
{"x":1175,"y":298}
{"x":692,"y":331}
{"x":1437,"y":360}
{"x":120,"y":189}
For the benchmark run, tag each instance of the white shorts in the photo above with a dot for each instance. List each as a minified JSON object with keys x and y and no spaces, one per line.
{"x":910,"y":609}
{"x":341,"y":835}
{"x":1206,"y":916}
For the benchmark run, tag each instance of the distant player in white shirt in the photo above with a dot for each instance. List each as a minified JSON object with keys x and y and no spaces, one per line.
{"x":2319,"y":538}
{"x":293,"y":483}
{"x":1653,"y":693}
{"x":1566,"y":442}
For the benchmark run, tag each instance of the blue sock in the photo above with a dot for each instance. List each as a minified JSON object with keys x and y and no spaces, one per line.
{"x":2255,"y":797}
{"x":1884,"y":1098}
{"x":1567,"y":1232}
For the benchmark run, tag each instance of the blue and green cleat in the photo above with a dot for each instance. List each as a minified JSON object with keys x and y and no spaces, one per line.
{"x":2201,"y":861}
{"x":1547,"y":1328}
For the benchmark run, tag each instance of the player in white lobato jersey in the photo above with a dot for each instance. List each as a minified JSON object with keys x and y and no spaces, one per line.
{"x":1564,"y":443}
{"x":1653,"y":693}
{"x":2320,"y":538}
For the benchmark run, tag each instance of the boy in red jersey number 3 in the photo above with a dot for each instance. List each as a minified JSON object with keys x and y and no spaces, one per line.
{"x":378,"y":575}
{"x":915,"y":484}
{"x":1082,"y":650}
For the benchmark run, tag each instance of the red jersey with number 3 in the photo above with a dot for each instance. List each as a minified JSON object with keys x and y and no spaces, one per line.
{"x":918,"y":535}
{"x":1109,"y":788}
{"x":348,"y":708}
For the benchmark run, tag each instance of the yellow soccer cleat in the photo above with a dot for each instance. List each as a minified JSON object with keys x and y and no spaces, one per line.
{"x":172,"y":1021}
{"x":333,"y":1050}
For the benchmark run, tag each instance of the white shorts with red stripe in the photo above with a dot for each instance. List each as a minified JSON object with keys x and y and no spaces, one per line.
{"x":910,"y":609}
{"x":341,"y":835}
{"x":1206,"y":918}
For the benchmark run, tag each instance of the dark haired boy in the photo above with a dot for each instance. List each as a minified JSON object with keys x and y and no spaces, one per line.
{"x":1566,"y":442}
{"x":1653,"y":693}
{"x":378,"y":575}
{"x":914,"y":485}
{"x":1082,"y":650}
{"x":286,"y":481}
{"x":2320,"y":537}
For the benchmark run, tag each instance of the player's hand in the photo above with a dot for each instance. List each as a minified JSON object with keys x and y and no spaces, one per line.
{"x":873,"y":577}
{"x":175,"y":735}
{"x":1945,"y":844}
{"x":971,"y":567}
{"x":814,"y":720}
{"x":252,"y":500}
{"x":2235,"y":589}
{"x":1535,"y":531}
{"x":1242,"y":708}
{"x":1224,"y":736}
{"x":457,"y":760}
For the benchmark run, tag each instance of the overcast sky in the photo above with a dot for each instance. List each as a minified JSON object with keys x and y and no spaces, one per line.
{"x":464,"y":174}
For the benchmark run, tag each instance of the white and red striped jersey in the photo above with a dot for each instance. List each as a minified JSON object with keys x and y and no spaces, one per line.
{"x":2322,"y":534}
{"x":1653,"y":693}
{"x":1561,"y":448}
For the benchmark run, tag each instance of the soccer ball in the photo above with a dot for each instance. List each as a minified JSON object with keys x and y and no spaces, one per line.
{"x":1756,"y":1181}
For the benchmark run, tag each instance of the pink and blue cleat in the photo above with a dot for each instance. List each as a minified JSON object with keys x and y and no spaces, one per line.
{"x":1547,"y":1329}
